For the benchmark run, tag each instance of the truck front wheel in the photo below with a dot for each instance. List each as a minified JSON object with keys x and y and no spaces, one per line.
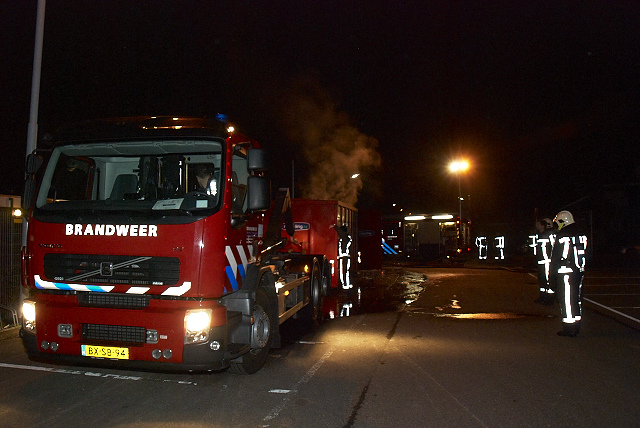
{"x":261,"y":330}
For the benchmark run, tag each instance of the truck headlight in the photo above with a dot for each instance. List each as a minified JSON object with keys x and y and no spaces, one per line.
{"x":29,"y":316}
{"x":196,"y":325}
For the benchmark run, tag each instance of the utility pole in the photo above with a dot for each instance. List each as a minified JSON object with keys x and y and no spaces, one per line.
{"x":32,"y":130}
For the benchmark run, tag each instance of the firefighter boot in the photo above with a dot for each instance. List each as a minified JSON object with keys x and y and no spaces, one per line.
{"x":546,"y":299}
{"x":569,"y":330}
{"x":549,"y":299}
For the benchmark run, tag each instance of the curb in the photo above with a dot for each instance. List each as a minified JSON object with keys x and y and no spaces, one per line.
{"x":612,"y":313}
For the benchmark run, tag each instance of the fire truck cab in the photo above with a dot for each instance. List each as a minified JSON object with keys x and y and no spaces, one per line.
{"x":147,"y":247}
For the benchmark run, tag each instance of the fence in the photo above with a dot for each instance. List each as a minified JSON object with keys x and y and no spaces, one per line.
{"x":10,"y":243}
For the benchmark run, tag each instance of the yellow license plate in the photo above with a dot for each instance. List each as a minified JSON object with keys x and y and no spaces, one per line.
{"x":105,"y":352}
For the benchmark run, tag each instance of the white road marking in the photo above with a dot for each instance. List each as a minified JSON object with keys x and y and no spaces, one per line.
{"x":91,"y":374}
{"x":275,"y":412}
{"x":611,"y":309}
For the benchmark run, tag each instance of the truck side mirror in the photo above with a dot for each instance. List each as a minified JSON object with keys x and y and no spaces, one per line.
{"x":259,"y":193}
{"x":256,"y":160}
{"x":28,"y":193}
{"x":33,"y":164}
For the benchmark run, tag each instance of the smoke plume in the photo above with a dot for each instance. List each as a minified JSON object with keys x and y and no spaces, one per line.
{"x":334,"y":149}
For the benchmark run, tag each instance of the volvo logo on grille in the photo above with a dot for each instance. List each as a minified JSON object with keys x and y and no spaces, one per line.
{"x":106,"y":268}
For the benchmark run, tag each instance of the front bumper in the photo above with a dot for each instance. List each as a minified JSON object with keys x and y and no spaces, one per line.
{"x":195,"y":358}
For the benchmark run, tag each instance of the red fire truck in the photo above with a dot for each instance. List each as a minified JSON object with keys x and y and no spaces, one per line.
{"x":315,"y":223}
{"x":148,"y":247}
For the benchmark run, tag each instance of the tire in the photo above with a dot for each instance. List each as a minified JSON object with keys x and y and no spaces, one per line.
{"x":312,"y":313}
{"x":261,"y":332}
{"x":325,"y":287}
{"x":326,"y":278}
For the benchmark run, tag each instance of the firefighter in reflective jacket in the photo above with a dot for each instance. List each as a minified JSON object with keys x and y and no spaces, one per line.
{"x":567,"y":270}
{"x":545,"y":239}
{"x":344,"y":255}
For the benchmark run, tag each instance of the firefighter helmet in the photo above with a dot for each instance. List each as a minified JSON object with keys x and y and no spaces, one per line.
{"x":564,"y":218}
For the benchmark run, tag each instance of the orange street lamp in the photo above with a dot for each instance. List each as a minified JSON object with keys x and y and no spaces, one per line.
{"x":458,"y":167}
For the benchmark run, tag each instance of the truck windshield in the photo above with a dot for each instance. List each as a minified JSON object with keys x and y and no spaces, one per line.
{"x":151,"y":176}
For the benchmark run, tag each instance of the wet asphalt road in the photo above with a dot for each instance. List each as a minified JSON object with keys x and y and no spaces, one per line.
{"x":431,"y":347}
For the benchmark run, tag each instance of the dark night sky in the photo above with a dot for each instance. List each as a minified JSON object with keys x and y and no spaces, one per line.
{"x":543,"y":97}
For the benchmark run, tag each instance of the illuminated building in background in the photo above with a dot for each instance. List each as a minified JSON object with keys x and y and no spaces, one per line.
{"x":426,"y":236}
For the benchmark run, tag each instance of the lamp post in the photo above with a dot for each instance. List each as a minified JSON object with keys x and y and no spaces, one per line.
{"x":458,"y":167}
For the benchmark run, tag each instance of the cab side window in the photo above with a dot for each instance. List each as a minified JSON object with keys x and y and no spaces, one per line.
{"x":239,"y":176}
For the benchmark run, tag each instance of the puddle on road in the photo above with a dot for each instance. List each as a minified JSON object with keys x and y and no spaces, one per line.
{"x":478,"y":316}
{"x":393,"y":290}
{"x":485,"y":316}
{"x":455,"y":304}
{"x":375,"y":291}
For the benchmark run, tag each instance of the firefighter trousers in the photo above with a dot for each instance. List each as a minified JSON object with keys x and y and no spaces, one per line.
{"x":344,"y":266}
{"x":570,"y":298}
{"x":547,"y":295}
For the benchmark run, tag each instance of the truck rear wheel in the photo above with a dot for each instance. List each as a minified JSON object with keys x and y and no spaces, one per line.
{"x":312,"y":313}
{"x":263,"y":324}
{"x":326,"y":278}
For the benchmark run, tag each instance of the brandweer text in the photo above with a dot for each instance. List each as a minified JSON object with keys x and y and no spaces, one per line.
{"x":149,"y":230}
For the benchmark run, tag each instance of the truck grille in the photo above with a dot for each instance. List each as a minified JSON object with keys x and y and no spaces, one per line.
{"x":101,"y":269}
{"x":111,"y":300}
{"x":113,"y":333}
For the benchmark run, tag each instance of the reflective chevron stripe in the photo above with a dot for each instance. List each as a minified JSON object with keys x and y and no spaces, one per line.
{"x":42,"y":284}
{"x":49,"y":285}
{"x":237,"y":265}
